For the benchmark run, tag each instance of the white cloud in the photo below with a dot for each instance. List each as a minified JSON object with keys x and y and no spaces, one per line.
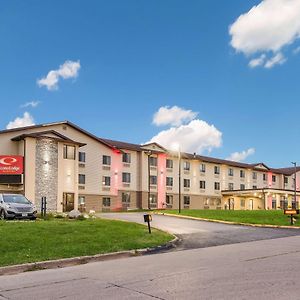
{"x":173,"y":116}
{"x":275,"y":60}
{"x":297,"y":50}
{"x":196,"y":136}
{"x":69,"y":69}
{"x":26,"y":120}
{"x":241,"y":156}
{"x":255,"y":62}
{"x":31,"y":103}
{"x":267,"y":27}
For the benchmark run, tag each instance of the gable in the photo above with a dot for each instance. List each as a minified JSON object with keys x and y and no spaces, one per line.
{"x":153,"y":147}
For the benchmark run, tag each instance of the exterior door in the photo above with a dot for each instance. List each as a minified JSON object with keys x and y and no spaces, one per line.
{"x":251,"y":204}
{"x":68,"y":202}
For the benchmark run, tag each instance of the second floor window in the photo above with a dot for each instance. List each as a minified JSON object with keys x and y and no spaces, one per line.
{"x":230,"y":186}
{"x":264,"y":177}
{"x":273,"y":178}
{"x":126,"y":158}
{"x":106,"y":160}
{"x":81,"y":178}
{"x":81,"y":156}
{"x":217,"y":186}
{"x":242,"y":173}
{"x":106,"y":180}
{"x":286,"y":180}
{"x":153,"y":161}
{"x":186,"y":183}
{"x":153,"y":180}
{"x":169,"y":164}
{"x":202,"y":184}
{"x":126,"y":177}
{"x":202,"y":168}
{"x":217,"y":170}
{"x":69,"y":152}
{"x":254,"y":175}
{"x":169,"y":181}
{"x":186,"y":165}
{"x":230,"y":172}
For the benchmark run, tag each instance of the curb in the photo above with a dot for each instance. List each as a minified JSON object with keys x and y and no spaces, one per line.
{"x":228,"y":222}
{"x":68,"y":262}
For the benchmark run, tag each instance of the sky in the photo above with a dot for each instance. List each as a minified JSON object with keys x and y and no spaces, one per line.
{"x":219,"y":78}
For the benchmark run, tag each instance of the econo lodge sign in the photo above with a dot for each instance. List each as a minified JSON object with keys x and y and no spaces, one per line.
{"x":11,"y":164}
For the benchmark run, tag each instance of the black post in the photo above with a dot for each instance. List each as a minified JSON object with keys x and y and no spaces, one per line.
{"x":292,"y":220}
{"x":45,"y":206}
{"x":149,"y":227}
{"x":42,"y":206}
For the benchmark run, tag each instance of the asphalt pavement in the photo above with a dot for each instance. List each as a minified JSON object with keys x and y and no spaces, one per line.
{"x":201,"y":234}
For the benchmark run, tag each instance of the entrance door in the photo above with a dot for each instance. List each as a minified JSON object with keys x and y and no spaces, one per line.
{"x":68,"y":202}
{"x":250,"y":204}
{"x":231,"y":203}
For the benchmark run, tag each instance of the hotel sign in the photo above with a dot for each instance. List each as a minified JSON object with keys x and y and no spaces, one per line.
{"x":291,"y":211}
{"x":11,"y":164}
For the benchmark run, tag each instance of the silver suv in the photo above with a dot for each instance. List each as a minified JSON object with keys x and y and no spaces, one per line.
{"x":16,"y":206}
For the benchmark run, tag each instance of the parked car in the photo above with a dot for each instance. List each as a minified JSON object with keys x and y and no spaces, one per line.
{"x":16,"y":206}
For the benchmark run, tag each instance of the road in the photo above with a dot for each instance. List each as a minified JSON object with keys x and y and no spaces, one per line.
{"x":267,"y":268}
{"x":200,"y":234}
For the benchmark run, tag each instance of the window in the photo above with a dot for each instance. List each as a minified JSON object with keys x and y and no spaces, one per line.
{"x":230,"y":186}
{"x":106,"y":201}
{"x":202,"y":168}
{"x":153,"y":161}
{"x":217,"y":170}
{"x":81,"y":178}
{"x":126,"y":198}
{"x":286,"y":180}
{"x":81,"y":200}
{"x":106,"y":180}
{"x":153,"y":180}
{"x":273,"y":178}
{"x":186,"y":183}
{"x":230,"y":172}
{"x":106,"y":160}
{"x":126,"y":158}
{"x":69,"y":152}
{"x":242,"y":186}
{"x":153,"y":201}
{"x":254,"y":187}
{"x":242,"y":173}
{"x":186,"y":201}
{"x":202,"y":184}
{"x":186,"y":165}
{"x":283,"y":203}
{"x":169,"y":164}
{"x":243,"y":202}
{"x":169,"y":181}
{"x":254,"y":175}
{"x":81,"y":156}
{"x":126,"y":177}
{"x":217,"y":186}
{"x":169,"y":200}
{"x":273,"y":203}
{"x":264,"y":177}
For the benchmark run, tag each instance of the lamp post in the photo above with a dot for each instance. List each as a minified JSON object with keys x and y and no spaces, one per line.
{"x":149,"y":153}
{"x":179,"y":181}
{"x":295,"y":183}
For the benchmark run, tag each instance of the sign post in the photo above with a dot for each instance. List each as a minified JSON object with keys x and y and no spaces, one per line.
{"x":43,"y":206}
{"x":148,"y":219}
{"x":291,"y":213}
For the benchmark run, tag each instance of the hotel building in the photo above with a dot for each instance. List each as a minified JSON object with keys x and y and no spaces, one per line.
{"x":75,"y":169}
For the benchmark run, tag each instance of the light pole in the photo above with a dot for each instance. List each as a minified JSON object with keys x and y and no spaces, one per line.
{"x":295,"y":184}
{"x":179,"y":181}
{"x":149,"y":153}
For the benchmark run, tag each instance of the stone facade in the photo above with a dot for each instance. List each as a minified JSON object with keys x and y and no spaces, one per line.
{"x":46,"y":172}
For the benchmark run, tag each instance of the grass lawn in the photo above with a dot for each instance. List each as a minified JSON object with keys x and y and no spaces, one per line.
{"x":270,"y":217}
{"x":27,"y":241}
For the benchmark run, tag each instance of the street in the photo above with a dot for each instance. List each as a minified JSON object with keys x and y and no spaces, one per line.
{"x":261,"y":269}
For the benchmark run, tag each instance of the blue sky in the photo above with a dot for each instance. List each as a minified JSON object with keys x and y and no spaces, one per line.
{"x":138,"y":56}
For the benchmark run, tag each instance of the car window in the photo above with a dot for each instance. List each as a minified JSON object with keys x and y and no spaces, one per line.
{"x":20,"y":199}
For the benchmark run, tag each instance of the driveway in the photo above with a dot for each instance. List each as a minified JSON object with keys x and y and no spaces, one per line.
{"x":200,"y":234}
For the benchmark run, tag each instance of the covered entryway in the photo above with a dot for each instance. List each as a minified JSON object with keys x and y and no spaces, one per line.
{"x":68,"y":202}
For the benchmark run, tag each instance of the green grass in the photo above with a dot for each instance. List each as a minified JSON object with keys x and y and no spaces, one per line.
{"x":23,"y":242}
{"x":266,"y":217}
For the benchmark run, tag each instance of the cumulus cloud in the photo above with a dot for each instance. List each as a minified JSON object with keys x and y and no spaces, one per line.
{"x":69,"y":69}
{"x":196,"y":136}
{"x":173,"y":116}
{"x":266,"y":29}
{"x":31,"y":104}
{"x":24,"y":121}
{"x":241,"y":156}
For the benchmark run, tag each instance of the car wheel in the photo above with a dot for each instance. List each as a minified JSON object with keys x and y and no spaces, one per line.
{"x":2,"y":215}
